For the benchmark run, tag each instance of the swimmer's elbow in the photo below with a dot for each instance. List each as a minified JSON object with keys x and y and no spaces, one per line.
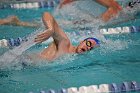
{"x":47,"y":16}
{"x":48,"y":21}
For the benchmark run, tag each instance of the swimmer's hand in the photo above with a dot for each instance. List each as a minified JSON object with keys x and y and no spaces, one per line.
{"x":43,"y":36}
{"x":64,"y":2}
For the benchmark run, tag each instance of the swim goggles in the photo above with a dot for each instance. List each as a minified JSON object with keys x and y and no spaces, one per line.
{"x":89,"y":43}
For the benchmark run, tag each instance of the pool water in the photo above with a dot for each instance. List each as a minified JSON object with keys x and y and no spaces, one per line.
{"x":116,"y":61}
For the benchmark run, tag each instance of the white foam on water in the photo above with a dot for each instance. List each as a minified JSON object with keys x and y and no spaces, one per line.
{"x":75,"y":19}
{"x":11,"y":55}
{"x":113,"y":45}
{"x":75,"y":12}
{"x":126,"y":15}
{"x":70,"y":14}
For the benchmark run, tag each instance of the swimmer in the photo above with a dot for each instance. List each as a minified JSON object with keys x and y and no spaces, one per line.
{"x":14,"y":20}
{"x":113,"y":8}
{"x":61,"y":44}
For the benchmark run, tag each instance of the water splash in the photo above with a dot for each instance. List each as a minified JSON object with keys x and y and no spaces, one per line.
{"x":125,"y":16}
{"x":73,"y":18}
{"x":11,"y":55}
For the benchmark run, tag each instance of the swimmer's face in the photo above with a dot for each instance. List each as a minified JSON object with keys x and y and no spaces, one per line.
{"x":85,"y":45}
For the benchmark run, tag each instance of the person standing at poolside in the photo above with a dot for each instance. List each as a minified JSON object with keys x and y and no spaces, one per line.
{"x":113,"y":8}
{"x":61,"y":44}
{"x":14,"y":20}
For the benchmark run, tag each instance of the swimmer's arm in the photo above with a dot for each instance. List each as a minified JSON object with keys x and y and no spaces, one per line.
{"x":43,"y":36}
{"x":118,"y":22}
{"x":49,"y":24}
{"x":64,"y":2}
{"x":53,"y":30}
{"x":48,"y":21}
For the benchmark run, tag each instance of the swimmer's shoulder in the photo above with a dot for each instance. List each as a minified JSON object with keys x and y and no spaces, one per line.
{"x":37,"y":57}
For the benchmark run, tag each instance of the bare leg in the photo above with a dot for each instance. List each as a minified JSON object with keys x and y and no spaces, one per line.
{"x":27,"y":24}
{"x":14,"y":20}
{"x":8,"y":20}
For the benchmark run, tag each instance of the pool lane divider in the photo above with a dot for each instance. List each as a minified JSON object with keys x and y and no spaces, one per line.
{"x":19,"y":45}
{"x":118,"y":30}
{"x":132,"y":86}
{"x":29,"y":5}
{"x":11,"y":43}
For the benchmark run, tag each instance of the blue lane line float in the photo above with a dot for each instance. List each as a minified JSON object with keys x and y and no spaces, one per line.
{"x":120,"y":30}
{"x":135,"y":29}
{"x":49,"y":4}
{"x":135,"y":86}
{"x":19,"y":40}
{"x":12,"y":42}
{"x":51,"y":91}
{"x":103,"y":88}
{"x":125,"y":87}
{"x":29,"y":5}
{"x":114,"y":88}
{"x":52,"y":3}
{"x":62,"y":90}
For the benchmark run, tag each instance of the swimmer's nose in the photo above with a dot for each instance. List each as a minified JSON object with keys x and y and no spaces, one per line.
{"x":84,"y":49}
